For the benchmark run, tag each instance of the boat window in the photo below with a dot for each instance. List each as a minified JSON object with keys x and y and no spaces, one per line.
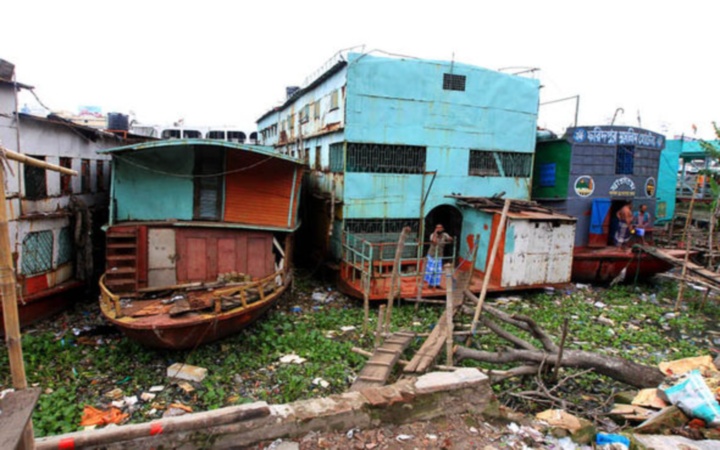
{"x":65,"y":180}
{"x":35,"y":183}
{"x":383,"y":158}
{"x":624,"y":160}
{"x":170,"y":134}
{"x":452,"y":82}
{"x":65,"y":246}
{"x":191,"y":134}
{"x":500,"y":164}
{"x":85,"y":176}
{"x":208,"y":189}
{"x":37,"y":250}
{"x":216,"y":135}
{"x":236,"y":136}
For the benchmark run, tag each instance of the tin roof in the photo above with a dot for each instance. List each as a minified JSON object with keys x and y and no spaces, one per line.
{"x":15,"y":83}
{"x":260,"y":149}
{"x":519,"y":209}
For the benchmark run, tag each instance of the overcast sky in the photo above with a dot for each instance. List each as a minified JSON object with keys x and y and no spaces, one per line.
{"x":226,"y":63}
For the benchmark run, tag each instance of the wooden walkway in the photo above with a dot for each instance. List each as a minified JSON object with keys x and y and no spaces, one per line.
{"x":433,"y":345}
{"x":377,"y":370}
{"x":17,"y":408}
{"x":700,"y":271}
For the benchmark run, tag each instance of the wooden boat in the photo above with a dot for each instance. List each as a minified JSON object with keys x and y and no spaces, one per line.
{"x":194,"y":249}
{"x":605,"y":264}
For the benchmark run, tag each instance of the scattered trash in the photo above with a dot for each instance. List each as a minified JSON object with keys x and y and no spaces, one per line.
{"x":432,"y":437}
{"x":93,"y":416}
{"x":185,"y":386}
{"x":612,"y":442}
{"x":187,"y":372}
{"x":275,"y":444}
{"x":694,"y":398}
{"x":351,"y":432}
{"x":649,"y":398}
{"x":404,"y":437}
{"x":296,"y":309}
{"x":582,"y":286}
{"x":115,"y":394}
{"x":320,"y":382}
{"x":347,"y":329}
{"x":146,"y":396}
{"x":173,"y":299}
{"x":473,"y":430}
{"x":680,"y":366}
{"x":600,"y":305}
{"x":130,"y":401}
{"x":157,"y":388}
{"x":292,"y":358}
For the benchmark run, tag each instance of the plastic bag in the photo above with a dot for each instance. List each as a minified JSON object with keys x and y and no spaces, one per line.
{"x":694,"y":398}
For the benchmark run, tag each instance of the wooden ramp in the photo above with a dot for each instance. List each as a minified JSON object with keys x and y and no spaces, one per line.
{"x":377,"y":370}
{"x":433,"y":345}
{"x":17,"y":408}
{"x":708,"y":275}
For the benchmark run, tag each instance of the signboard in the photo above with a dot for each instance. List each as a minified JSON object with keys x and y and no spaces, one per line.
{"x":623,"y":188}
{"x":584,"y":186}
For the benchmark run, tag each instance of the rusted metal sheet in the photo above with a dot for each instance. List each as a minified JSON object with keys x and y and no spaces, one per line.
{"x":259,"y":190}
{"x":161,"y":257}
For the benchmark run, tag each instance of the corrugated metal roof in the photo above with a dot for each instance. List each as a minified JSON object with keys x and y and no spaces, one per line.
{"x":259,"y":149}
{"x":519,"y":209}
{"x":16,"y":83}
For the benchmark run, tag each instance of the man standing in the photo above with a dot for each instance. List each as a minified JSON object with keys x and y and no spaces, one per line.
{"x":641,"y":221}
{"x":433,"y":269}
{"x":625,"y":218}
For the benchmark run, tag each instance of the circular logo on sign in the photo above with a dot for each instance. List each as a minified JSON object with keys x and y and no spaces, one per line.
{"x":584,"y":186}
{"x":650,"y":187}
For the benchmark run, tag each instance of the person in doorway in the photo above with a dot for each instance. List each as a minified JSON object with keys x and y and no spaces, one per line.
{"x":625,"y":219}
{"x":641,"y":222}
{"x":433,"y":269}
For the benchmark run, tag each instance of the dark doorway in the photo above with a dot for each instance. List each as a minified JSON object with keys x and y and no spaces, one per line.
{"x":614,"y":208}
{"x":451,"y":219}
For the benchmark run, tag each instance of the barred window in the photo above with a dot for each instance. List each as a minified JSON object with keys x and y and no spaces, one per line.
{"x":336,"y":157}
{"x":35,"y":184}
{"x":498,"y":164}
{"x":37,"y":250}
{"x":65,"y":246}
{"x":380,"y":226}
{"x":383,"y":158}
{"x":452,"y":82}
{"x":625,"y":160}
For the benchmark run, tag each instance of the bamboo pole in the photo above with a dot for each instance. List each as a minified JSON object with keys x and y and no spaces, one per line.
{"x":449,"y":309}
{"x":395,"y":276}
{"x":381,"y":317}
{"x":8,"y":286}
{"x":686,"y":236}
{"x":491,"y":262}
{"x":366,"y":299}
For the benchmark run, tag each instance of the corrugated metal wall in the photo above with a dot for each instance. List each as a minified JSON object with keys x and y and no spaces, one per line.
{"x":261,"y":195}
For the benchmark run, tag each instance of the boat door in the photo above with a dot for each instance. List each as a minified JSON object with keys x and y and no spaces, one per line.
{"x":600,"y":222}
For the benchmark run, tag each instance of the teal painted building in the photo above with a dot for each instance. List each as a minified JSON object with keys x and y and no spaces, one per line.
{"x":389,"y":140}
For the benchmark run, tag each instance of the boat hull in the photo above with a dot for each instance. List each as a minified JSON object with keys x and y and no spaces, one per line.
{"x":605,"y":264}
{"x":46,"y":303}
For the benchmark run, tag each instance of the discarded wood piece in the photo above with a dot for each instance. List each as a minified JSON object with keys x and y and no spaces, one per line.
{"x":402,"y":362}
{"x":708,"y":275}
{"x":432,"y":346}
{"x":686,"y":238}
{"x":377,"y":370}
{"x":491,"y":262}
{"x":449,"y":313}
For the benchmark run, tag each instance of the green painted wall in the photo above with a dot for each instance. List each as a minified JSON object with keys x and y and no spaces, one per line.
{"x":144,"y":194}
{"x":558,"y":152}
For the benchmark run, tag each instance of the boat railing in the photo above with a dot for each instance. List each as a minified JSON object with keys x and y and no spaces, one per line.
{"x":248,"y":292}
{"x":372,"y":255}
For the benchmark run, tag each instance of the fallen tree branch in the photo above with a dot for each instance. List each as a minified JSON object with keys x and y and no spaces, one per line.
{"x":628,"y":372}
{"x":498,"y":330}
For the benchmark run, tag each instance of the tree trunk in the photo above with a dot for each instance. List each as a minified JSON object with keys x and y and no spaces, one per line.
{"x":633,"y":374}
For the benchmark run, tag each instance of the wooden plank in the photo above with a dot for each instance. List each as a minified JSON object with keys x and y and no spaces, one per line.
{"x":432,"y":346}
{"x":695,"y":268}
{"x":377,"y":370}
{"x":17,"y":408}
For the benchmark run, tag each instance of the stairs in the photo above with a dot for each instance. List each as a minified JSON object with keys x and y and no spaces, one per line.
{"x":121,"y":271}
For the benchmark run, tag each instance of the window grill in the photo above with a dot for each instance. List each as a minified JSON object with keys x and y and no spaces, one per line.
{"x":336,"y":157}
{"x":452,"y":82}
{"x":380,"y":226}
{"x":496,"y":164}
{"x":382,"y":158}
{"x":624,"y":160}
{"x":547,"y":175}
{"x":35,"y":184}
{"x":65,"y":246}
{"x":37,"y":253}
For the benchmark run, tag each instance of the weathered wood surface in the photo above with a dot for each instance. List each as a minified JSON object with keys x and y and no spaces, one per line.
{"x":16,"y":409}
{"x":710,"y":276}
{"x":377,"y":370}
{"x":433,"y":345}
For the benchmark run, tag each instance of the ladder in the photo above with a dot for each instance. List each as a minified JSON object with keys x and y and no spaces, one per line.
{"x":121,"y":273}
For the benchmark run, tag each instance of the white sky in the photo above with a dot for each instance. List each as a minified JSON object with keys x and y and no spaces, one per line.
{"x":227,"y":62}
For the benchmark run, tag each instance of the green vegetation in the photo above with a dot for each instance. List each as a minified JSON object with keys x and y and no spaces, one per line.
{"x":77,"y":371}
